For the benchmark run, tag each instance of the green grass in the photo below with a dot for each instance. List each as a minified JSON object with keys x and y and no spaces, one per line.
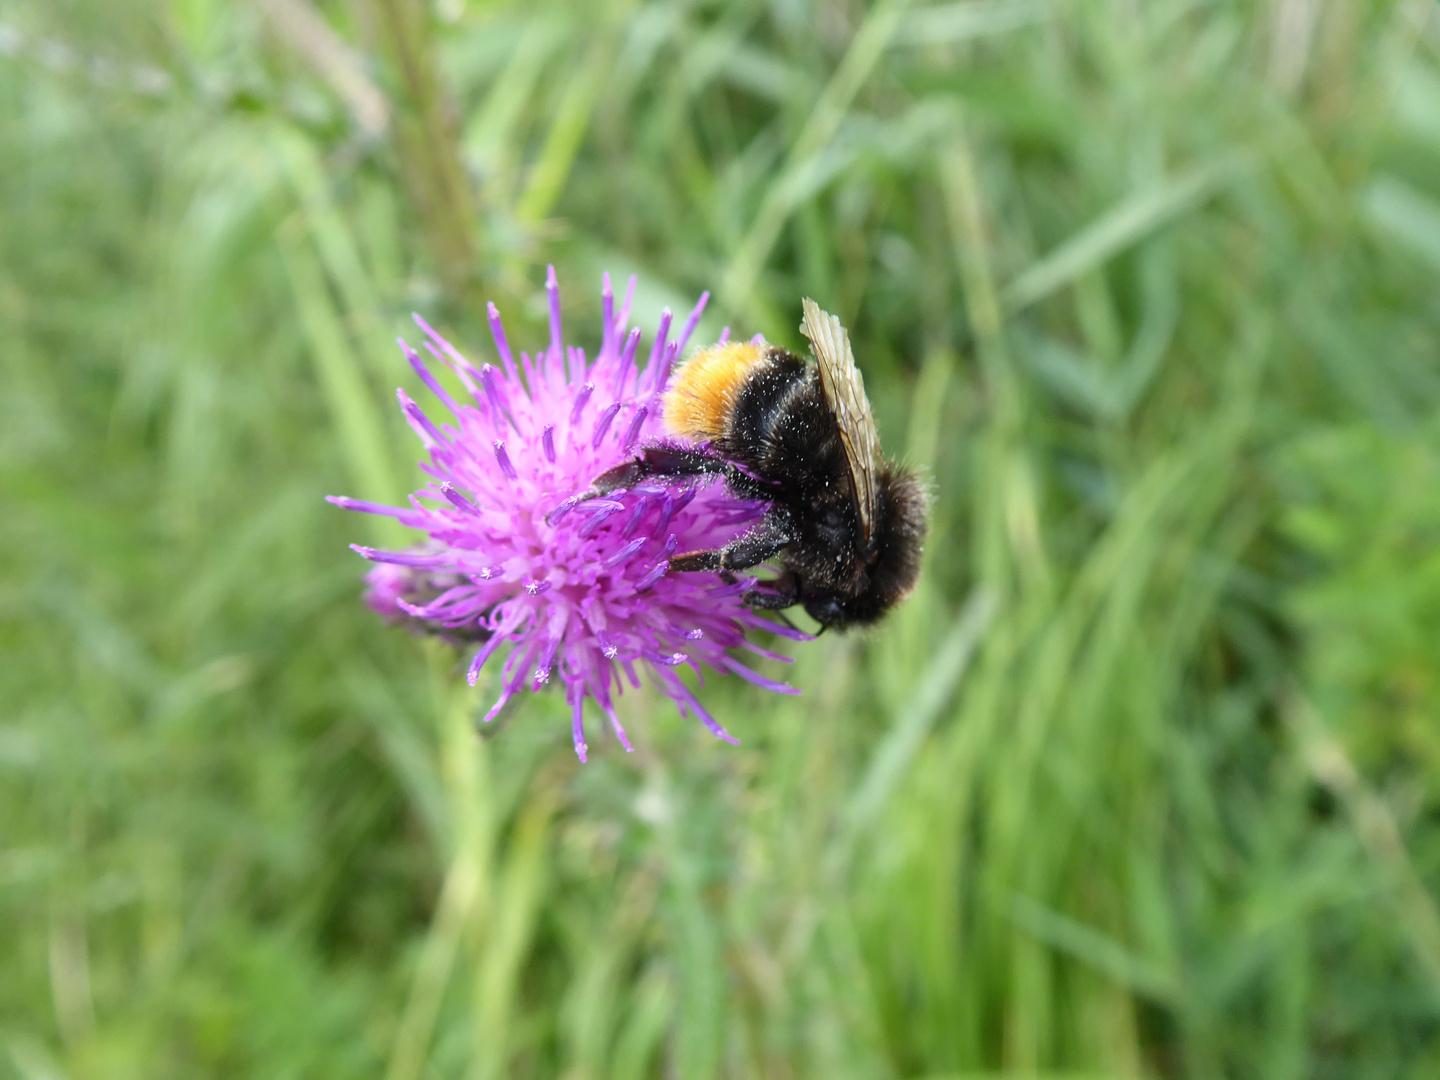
{"x":1144,"y":781}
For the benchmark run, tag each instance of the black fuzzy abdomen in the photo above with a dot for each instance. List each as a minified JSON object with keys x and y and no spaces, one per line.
{"x":761,"y":408}
{"x":782,"y":431}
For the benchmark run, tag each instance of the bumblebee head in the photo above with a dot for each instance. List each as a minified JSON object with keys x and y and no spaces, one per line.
{"x":893,"y":564}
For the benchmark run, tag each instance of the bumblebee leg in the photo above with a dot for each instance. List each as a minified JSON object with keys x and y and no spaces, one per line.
{"x":783,"y":592}
{"x":652,"y":461}
{"x":773,"y":595}
{"x":750,"y":548}
{"x":675,"y":461}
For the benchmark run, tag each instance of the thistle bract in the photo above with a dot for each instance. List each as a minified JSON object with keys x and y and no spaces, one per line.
{"x":547,"y":586}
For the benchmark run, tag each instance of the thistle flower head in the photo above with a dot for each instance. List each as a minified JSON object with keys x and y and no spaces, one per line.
{"x":576,"y":592}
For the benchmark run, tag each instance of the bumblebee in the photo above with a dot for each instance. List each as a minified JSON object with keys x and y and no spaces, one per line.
{"x":847,"y":525}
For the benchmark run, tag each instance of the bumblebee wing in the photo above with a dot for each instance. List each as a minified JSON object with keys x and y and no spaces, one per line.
{"x":844,"y":389}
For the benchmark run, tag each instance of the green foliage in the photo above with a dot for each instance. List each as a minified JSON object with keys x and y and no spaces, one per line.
{"x":1144,"y":781}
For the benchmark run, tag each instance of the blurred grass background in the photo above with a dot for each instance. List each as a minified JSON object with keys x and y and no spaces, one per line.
{"x":1144,"y":781}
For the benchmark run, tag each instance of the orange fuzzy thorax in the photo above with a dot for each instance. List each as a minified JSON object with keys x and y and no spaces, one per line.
{"x":699,"y":402}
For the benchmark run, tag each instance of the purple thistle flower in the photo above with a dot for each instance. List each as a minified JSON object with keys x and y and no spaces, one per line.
{"x":579,"y":592}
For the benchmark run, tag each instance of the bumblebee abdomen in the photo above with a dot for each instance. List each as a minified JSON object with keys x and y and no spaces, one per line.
{"x":707,"y":387}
